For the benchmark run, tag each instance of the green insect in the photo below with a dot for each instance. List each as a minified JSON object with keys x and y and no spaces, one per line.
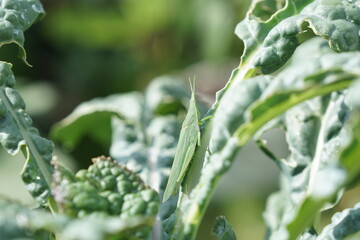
{"x":188,"y":140}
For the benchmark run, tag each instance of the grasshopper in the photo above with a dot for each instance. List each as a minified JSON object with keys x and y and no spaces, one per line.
{"x":188,"y":140}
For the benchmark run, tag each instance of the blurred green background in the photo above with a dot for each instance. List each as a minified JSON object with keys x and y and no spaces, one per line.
{"x":91,"y":48}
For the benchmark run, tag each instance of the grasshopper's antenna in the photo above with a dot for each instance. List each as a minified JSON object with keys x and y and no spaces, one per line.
{"x":192,"y":84}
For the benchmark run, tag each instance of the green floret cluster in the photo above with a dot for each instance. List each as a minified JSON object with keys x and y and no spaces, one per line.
{"x":105,"y":187}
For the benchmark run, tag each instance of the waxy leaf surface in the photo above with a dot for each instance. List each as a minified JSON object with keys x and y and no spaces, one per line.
{"x":16,"y":17}
{"x":17,"y":134}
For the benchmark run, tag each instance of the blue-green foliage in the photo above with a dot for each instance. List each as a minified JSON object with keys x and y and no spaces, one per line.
{"x":300,"y":71}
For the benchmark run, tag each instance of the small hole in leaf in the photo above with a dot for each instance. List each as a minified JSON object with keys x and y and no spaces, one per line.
{"x":263,"y":10}
{"x":306,"y":33}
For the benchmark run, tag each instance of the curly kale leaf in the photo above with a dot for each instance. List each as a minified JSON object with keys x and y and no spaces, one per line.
{"x":17,"y":134}
{"x":16,"y":130}
{"x":20,"y":222}
{"x":99,"y":112}
{"x":249,"y":105}
{"x":144,"y":129}
{"x":147,"y":143}
{"x":270,"y":40}
{"x":316,"y":131}
{"x":16,"y":16}
{"x":100,"y":227}
{"x":223,"y":230}
{"x":14,"y":219}
{"x":344,"y":225}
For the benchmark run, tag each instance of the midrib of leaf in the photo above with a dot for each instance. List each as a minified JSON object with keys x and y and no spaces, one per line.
{"x":246,"y":71}
{"x":319,"y":148}
{"x":154,"y":182}
{"x":245,"y":132}
{"x":154,"y":178}
{"x":32,"y":150}
{"x":296,"y":11}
